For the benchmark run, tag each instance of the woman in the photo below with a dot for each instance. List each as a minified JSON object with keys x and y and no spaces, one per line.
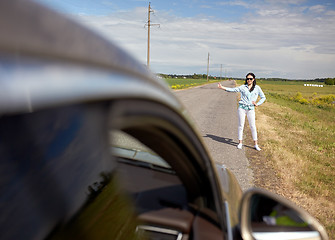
{"x":249,"y":94}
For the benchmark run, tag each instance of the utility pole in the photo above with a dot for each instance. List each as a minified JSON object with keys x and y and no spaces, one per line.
{"x":221,"y":72}
{"x":150,"y":10}
{"x":207,"y":66}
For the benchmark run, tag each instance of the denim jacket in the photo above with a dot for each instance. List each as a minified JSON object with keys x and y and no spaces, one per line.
{"x":248,"y":97}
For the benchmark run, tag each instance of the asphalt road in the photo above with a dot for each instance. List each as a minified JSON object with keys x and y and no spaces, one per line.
{"x":215,"y":113}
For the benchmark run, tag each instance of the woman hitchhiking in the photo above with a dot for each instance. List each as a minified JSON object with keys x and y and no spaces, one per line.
{"x":249,"y":94}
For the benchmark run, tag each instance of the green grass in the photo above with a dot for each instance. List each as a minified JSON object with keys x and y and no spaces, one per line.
{"x":292,"y":87}
{"x":181,"y":83}
{"x":322,"y":97}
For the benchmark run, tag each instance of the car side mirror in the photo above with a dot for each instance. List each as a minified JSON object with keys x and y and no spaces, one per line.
{"x":265,"y":215}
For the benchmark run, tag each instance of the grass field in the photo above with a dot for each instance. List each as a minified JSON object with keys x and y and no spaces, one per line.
{"x":297,"y":131}
{"x":181,"y":83}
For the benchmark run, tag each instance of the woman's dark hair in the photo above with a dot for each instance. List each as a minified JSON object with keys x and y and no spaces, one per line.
{"x":253,"y":83}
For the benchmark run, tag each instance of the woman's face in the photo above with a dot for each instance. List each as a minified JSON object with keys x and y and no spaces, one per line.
{"x":250,"y":79}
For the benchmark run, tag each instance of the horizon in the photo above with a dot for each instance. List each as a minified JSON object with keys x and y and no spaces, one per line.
{"x":242,"y":78}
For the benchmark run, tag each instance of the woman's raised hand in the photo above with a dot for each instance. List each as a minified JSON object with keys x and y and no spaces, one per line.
{"x":220,"y":86}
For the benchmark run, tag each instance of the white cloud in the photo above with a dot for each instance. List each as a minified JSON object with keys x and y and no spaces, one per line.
{"x":244,"y":4}
{"x":330,"y":13}
{"x":318,"y":8}
{"x":276,"y":41}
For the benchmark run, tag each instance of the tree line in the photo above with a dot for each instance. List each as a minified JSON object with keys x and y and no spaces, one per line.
{"x":330,"y":81}
{"x":194,"y":76}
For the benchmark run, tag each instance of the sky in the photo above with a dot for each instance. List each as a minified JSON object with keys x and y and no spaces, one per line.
{"x":292,"y":39}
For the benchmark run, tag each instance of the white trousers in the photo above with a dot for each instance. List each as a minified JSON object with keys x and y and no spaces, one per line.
{"x":252,"y":123}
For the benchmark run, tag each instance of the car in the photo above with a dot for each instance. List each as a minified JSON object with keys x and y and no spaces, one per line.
{"x":94,"y":146}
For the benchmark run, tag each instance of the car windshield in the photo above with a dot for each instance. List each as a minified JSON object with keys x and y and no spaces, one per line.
{"x":127,"y":147}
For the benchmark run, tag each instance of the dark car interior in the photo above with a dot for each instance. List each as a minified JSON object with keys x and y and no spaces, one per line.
{"x":162,"y":203}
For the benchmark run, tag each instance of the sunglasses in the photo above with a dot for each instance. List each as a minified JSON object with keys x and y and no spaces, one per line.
{"x":250,"y":79}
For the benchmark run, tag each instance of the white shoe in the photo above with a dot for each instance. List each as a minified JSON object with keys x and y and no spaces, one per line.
{"x":257,"y":148}
{"x":239,"y":146}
